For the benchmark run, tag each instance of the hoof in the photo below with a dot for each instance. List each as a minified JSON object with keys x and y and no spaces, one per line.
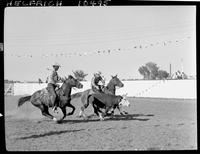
{"x":109,"y":114}
{"x":54,"y":119}
{"x":59,"y":121}
{"x":101,"y":119}
{"x":85,"y":118}
{"x":79,"y":116}
{"x":125,"y":112}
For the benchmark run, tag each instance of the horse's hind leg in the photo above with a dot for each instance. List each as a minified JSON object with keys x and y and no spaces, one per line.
{"x":44,"y":110}
{"x":82,"y":113}
{"x":98,"y":112}
{"x":46,"y":113}
{"x":84,"y":100}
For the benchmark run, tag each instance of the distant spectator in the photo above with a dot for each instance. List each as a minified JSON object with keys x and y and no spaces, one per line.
{"x":47,"y":79}
{"x":40,"y":81}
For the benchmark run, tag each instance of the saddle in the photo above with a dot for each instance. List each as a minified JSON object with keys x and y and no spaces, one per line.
{"x":46,"y":95}
{"x":46,"y":92}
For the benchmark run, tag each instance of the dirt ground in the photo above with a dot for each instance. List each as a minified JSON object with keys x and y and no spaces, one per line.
{"x":152,"y":124}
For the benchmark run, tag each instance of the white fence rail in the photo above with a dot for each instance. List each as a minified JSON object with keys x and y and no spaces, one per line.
{"x":141,"y":88}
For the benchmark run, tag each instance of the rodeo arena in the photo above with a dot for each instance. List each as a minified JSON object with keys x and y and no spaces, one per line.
{"x":151,"y":113}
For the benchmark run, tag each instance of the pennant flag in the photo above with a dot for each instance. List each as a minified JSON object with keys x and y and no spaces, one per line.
{"x":100,"y":51}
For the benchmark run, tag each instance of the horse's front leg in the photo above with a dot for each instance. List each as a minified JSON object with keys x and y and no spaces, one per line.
{"x":64,"y":112}
{"x":45,"y":112}
{"x":63,"y":104}
{"x":73,"y":108}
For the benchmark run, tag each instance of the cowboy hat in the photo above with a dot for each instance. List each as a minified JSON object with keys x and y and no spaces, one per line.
{"x":97,"y":73}
{"x":56,"y":64}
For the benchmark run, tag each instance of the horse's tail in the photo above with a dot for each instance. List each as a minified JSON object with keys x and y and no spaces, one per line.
{"x":22,"y":100}
{"x":76,"y":95}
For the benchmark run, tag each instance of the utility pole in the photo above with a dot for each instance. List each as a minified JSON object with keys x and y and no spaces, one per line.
{"x":170,"y":70}
{"x":182,"y":68}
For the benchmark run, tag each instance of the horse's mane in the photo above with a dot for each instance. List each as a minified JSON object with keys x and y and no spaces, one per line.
{"x":70,"y":77}
{"x":109,"y":83}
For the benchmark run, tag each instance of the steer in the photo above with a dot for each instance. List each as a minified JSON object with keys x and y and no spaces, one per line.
{"x":107,"y":102}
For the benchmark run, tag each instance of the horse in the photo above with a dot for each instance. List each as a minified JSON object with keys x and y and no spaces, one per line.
{"x":41,"y":98}
{"x":109,"y":89}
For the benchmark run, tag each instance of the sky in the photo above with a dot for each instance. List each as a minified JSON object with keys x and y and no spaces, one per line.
{"x":79,"y":38}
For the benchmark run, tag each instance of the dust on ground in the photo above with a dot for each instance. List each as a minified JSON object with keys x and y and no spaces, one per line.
{"x":152,"y":124}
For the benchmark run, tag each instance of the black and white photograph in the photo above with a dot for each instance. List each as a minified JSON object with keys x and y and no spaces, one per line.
{"x":99,"y":78}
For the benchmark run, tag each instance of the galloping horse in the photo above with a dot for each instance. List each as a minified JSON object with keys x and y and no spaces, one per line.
{"x":109,"y":89}
{"x":41,"y":98}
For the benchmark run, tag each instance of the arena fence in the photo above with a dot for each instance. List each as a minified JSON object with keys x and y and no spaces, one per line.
{"x":141,"y":88}
{"x":9,"y":89}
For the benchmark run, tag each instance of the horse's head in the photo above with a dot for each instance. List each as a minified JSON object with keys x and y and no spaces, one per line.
{"x":124,"y":101}
{"x":73,"y":82}
{"x":116,"y":81}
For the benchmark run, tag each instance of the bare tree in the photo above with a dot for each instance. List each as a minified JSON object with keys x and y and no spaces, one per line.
{"x":80,"y":75}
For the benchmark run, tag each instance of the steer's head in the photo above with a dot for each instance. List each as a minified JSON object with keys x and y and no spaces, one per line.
{"x":124,"y":101}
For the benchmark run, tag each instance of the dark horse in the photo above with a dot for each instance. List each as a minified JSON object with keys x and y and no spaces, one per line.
{"x":41,"y":98}
{"x":109,"y":89}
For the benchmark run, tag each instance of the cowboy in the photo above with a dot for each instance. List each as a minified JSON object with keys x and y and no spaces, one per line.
{"x":52,"y":84}
{"x":97,"y":82}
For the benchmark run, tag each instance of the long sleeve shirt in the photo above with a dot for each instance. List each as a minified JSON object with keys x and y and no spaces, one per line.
{"x":95,"y":81}
{"x":54,"y":78}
